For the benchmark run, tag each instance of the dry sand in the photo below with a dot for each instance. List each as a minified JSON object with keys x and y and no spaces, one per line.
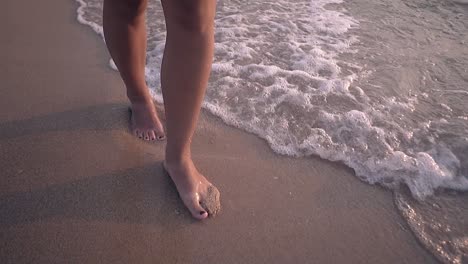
{"x":76,"y":187}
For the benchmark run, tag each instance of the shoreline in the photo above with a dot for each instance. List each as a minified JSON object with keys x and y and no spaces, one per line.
{"x":79,"y":188}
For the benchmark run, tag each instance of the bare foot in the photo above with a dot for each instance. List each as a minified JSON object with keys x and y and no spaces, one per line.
{"x":144,"y":120}
{"x":197,"y":193}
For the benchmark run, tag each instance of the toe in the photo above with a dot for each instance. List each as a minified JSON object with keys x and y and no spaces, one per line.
{"x":146,"y":135}
{"x":138,"y":133}
{"x":152,"y":135}
{"x":161,"y":137}
{"x":211,"y":201}
{"x":193,"y":204}
{"x":159,"y":131}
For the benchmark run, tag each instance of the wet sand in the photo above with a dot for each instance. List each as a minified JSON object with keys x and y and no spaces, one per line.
{"x":76,"y":187}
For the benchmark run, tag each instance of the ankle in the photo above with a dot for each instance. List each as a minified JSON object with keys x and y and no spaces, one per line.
{"x":139,"y":97}
{"x":178,"y":160}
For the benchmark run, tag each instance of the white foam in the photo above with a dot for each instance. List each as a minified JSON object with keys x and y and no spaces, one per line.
{"x":81,"y":17}
{"x":438,"y":224}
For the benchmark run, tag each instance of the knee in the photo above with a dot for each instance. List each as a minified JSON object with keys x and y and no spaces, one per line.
{"x":194,"y":16}
{"x":130,"y":8}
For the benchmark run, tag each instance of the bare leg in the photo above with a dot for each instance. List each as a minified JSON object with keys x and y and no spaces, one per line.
{"x":185,"y":71}
{"x":125,"y":34}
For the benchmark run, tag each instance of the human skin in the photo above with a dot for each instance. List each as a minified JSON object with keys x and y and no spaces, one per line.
{"x":185,"y":70}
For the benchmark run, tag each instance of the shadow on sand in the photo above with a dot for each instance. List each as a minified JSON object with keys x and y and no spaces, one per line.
{"x":142,"y":195}
{"x":137,"y":196}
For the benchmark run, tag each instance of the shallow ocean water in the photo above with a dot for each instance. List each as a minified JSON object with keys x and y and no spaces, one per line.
{"x":381,"y":86}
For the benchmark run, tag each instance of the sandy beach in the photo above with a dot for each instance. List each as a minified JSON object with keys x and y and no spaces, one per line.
{"x":78,"y":188}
